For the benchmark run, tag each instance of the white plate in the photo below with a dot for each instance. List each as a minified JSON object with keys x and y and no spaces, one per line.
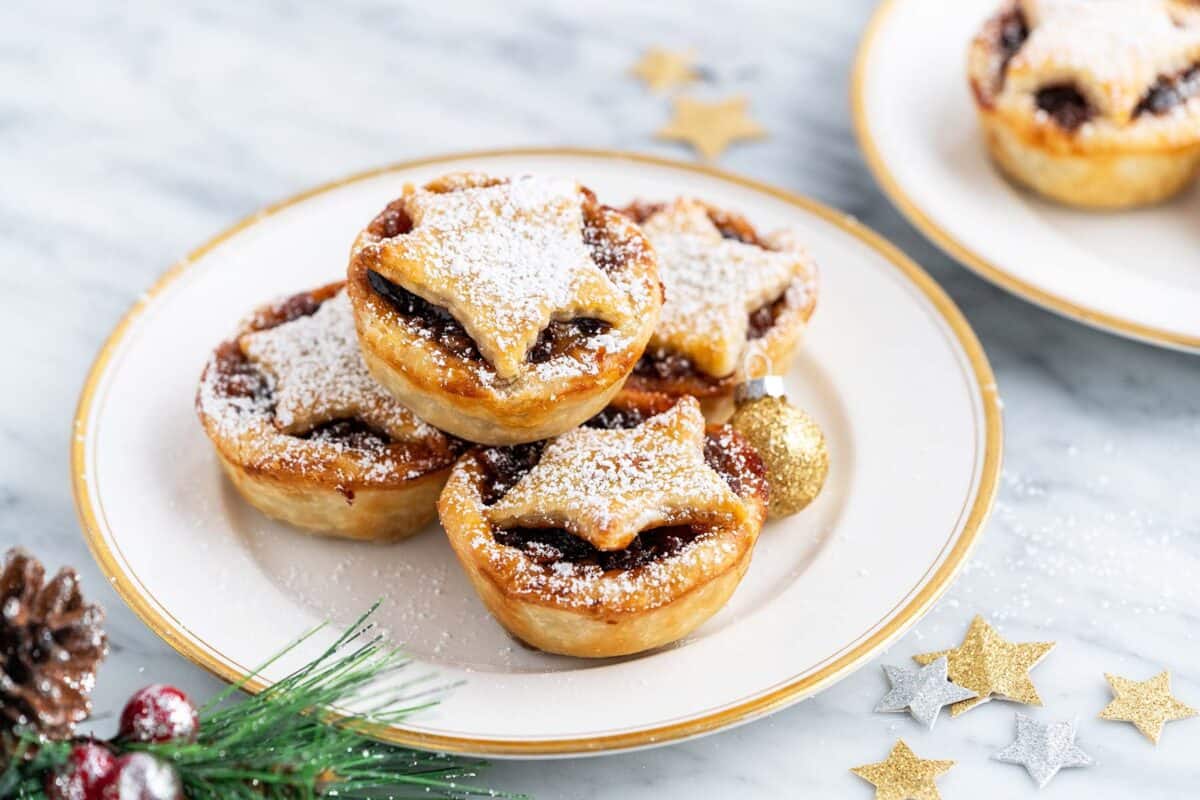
{"x":1135,"y":273}
{"x":891,"y":371}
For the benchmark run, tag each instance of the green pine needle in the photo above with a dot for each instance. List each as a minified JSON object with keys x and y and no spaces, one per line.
{"x":28,"y":761}
{"x":285,"y":744}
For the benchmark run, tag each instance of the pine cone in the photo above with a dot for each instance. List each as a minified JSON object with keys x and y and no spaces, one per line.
{"x":51,"y":642}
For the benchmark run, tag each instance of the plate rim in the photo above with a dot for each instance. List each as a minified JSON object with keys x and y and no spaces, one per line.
{"x":959,"y":250}
{"x":180,"y":640}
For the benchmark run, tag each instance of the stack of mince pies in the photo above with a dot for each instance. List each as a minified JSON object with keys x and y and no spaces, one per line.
{"x":547,"y":375}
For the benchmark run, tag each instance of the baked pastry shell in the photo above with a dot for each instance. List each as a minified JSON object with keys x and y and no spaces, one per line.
{"x":596,"y":626}
{"x":775,"y":348}
{"x":331,"y":493}
{"x":386,"y":514}
{"x":447,"y":392}
{"x":1035,"y":158}
{"x":770,"y":353}
{"x":1106,"y":167}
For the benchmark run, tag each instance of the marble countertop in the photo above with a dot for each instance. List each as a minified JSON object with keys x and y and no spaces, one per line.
{"x":131,"y":132}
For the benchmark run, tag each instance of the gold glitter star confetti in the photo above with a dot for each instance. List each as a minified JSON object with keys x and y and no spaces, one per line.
{"x":711,"y":127}
{"x":1149,"y":705}
{"x":988,"y":664}
{"x":903,"y":776}
{"x":662,"y":69}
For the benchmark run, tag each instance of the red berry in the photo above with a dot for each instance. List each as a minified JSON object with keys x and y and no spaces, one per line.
{"x":83,"y":774}
{"x":159,"y":713}
{"x":141,"y":776}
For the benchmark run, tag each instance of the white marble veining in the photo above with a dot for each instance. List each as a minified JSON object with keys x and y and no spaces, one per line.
{"x":130,"y":132}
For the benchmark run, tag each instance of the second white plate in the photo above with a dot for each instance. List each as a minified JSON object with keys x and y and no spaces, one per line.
{"x":891,"y":371}
{"x":1135,"y":273}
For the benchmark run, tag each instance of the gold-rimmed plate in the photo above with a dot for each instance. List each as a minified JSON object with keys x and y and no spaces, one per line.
{"x":1134,"y":273}
{"x":891,"y":370}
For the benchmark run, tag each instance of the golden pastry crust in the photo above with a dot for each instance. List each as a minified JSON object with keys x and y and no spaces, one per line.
{"x":1186,"y":11}
{"x":1091,"y":104}
{"x":774,"y":329}
{"x":341,"y":477}
{"x":421,"y":352}
{"x":555,"y":592}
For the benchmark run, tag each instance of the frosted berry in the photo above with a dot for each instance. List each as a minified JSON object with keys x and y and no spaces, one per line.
{"x":141,"y":776}
{"x":82,"y":777}
{"x":159,"y":713}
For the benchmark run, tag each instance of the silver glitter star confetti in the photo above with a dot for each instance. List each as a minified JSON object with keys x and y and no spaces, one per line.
{"x":1044,"y":748}
{"x":922,"y":691}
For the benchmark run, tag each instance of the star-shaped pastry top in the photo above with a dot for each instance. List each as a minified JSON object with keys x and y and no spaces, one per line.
{"x":1147,"y":704}
{"x":711,"y":127}
{"x":1112,"y":51}
{"x":922,"y":691}
{"x":319,"y":375}
{"x":1044,"y":748}
{"x":712,"y":285}
{"x":662,"y":69}
{"x":987,"y":664}
{"x":606,"y":486}
{"x":903,"y":776}
{"x":505,"y":260}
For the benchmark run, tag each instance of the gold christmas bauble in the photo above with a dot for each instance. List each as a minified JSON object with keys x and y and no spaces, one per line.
{"x":792,"y":448}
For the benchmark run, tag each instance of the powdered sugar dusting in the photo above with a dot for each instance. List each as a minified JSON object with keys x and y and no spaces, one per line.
{"x":606,"y":486}
{"x":589,"y":586}
{"x":712,"y":284}
{"x":236,"y":402}
{"x":319,"y":375}
{"x":1111,"y":50}
{"x":504,"y":260}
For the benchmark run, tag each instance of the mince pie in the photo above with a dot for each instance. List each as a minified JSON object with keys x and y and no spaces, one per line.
{"x":308,"y":437}
{"x":1093,"y":103}
{"x":502,"y":310}
{"x":616,"y":537}
{"x":731,"y":295}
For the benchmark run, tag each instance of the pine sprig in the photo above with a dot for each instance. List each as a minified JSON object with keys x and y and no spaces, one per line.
{"x":285,"y":744}
{"x":28,"y":759}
